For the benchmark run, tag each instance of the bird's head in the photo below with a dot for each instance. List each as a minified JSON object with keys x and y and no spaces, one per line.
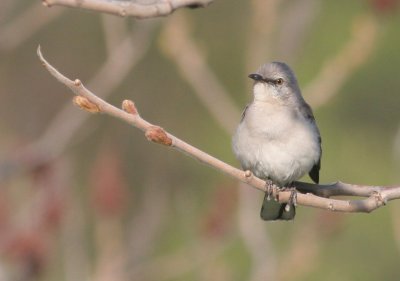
{"x":275,"y":81}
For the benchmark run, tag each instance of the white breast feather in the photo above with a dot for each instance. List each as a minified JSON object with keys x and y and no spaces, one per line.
{"x":275,"y":143}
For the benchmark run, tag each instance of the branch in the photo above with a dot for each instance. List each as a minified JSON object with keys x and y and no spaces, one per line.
{"x":56,"y":138}
{"x":135,"y":8}
{"x":377,"y":196}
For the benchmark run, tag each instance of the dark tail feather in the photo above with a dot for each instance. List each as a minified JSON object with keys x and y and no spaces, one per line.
{"x":272,"y":210}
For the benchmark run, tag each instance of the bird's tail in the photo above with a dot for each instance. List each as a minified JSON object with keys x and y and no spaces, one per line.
{"x":273,"y":210}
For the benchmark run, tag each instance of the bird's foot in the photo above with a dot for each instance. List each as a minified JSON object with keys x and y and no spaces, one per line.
{"x":270,"y":189}
{"x":292,"y":198}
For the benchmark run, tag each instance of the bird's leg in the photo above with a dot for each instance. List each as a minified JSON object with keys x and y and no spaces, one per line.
{"x":270,"y":189}
{"x":292,"y":198}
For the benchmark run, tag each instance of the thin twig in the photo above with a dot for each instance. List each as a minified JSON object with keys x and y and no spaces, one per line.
{"x":114,"y":70}
{"x":377,"y":196}
{"x":56,"y":138}
{"x":138,"y":9}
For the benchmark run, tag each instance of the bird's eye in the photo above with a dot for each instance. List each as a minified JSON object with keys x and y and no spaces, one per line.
{"x":279,"y":81}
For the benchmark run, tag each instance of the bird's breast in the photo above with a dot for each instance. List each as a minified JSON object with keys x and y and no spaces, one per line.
{"x":274,"y":142}
{"x":271,"y":121}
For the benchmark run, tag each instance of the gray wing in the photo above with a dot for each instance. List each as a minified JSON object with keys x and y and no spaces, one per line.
{"x":306,"y":111}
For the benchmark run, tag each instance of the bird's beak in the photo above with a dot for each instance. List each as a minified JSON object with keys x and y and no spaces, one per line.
{"x":256,"y":77}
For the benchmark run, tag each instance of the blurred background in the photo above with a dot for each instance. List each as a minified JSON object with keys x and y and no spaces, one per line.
{"x":86,"y":197}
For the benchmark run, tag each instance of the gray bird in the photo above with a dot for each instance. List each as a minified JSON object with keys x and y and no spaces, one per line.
{"x":277,"y":138}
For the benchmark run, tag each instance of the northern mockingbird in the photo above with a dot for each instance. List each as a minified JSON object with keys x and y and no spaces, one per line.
{"x":277,"y":138}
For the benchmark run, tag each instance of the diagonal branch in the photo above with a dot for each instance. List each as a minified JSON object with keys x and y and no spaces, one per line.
{"x":136,"y":8}
{"x":377,"y":196}
{"x":55,"y":139}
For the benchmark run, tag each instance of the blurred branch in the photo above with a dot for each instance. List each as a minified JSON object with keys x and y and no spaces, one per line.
{"x":135,"y":8}
{"x":377,"y":196}
{"x":302,"y":258}
{"x":115,"y":30}
{"x":110,"y":250}
{"x":294,"y":28}
{"x":191,"y":62}
{"x":25,"y":25}
{"x":256,"y":238}
{"x":338,"y":69}
{"x":145,"y":228}
{"x":32,"y":221}
{"x":72,"y":236}
{"x":262,"y":27}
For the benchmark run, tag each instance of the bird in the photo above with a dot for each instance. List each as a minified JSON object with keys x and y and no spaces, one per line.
{"x":277,"y":138}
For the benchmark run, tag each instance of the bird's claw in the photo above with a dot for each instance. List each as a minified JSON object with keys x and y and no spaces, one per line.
{"x":270,"y":192}
{"x":292,"y":199}
{"x":270,"y":189}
